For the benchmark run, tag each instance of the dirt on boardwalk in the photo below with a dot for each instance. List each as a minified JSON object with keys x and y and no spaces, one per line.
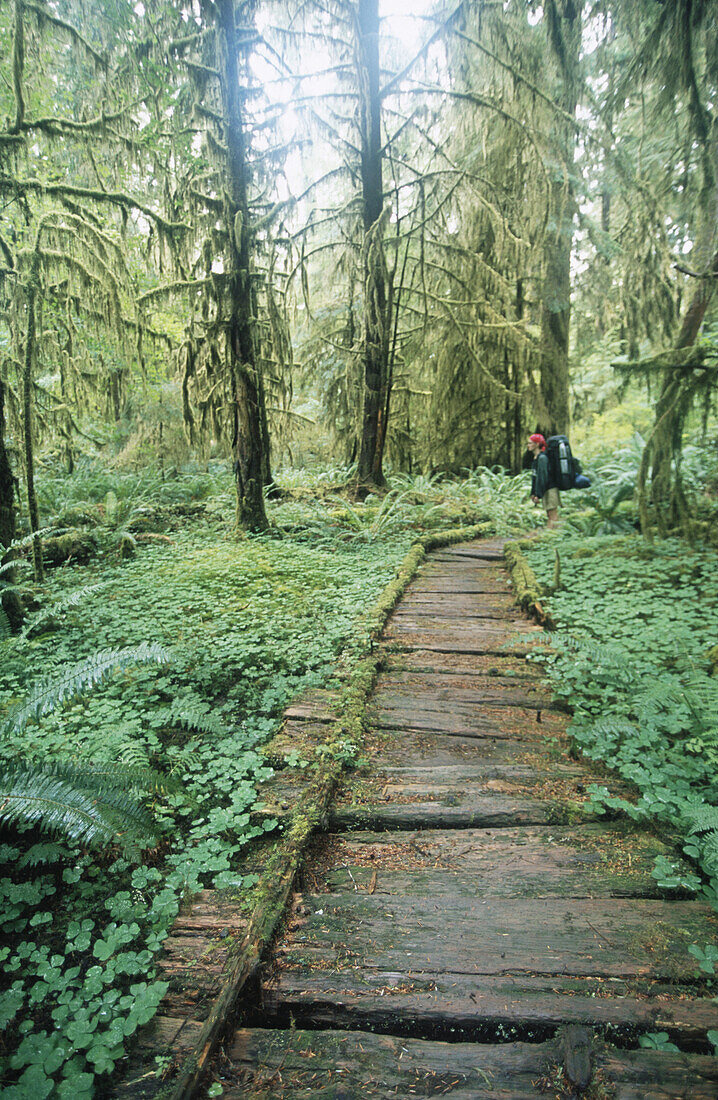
{"x":464,"y":927}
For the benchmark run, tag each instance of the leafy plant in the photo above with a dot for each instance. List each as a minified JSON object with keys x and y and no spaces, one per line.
{"x":636,"y":625}
{"x":50,"y":692}
{"x":82,"y":804}
{"x":657,"y":1040}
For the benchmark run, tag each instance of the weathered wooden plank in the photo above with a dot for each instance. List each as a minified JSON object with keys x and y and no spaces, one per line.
{"x":439,"y":584}
{"x":605,"y":860}
{"x":176,"y":1032}
{"x":479,"y":1007}
{"x":494,"y":560}
{"x":479,"y":637}
{"x":496,"y":776}
{"x":496,"y":680}
{"x":482,"y":548}
{"x":456,"y":604}
{"x":659,"y":1075}
{"x":295,"y":1064}
{"x":477,"y":628}
{"x":475,"y":811}
{"x":315,"y":705}
{"x":415,"y":748}
{"x":440,"y":692}
{"x":174,"y":1037}
{"x":607,"y":938}
{"x":296,"y":736}
{"x":344,"y":1065}
{"x":465,"y":665}
{"x":426,"y":713}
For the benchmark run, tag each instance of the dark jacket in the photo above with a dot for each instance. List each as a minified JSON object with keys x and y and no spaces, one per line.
{"x":540,"y":475}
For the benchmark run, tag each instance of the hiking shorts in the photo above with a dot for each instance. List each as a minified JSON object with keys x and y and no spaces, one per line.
{"x":551,"y":499}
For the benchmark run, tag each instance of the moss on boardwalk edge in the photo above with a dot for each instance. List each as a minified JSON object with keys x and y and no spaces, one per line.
{"x":529,"y":592}
{"x":277,"y":878}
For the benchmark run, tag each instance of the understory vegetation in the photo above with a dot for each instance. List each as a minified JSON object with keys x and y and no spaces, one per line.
{"x":194,"y":643}
{"x":284,"y":287}
{"x":635,"y":656}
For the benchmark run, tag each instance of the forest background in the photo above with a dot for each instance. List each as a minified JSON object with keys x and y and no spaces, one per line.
{"x":285,"y":285}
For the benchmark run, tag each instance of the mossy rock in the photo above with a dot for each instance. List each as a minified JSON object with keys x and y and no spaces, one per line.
{"x":78,"y":515}
{"x":75,"y":545}
{"x":164,"y":516}
{"x":13,"y":608}
{"x":151,"y":520}
{"x":713,"y":659}
{"x":127,"y":547}
{"x":584,"y":552}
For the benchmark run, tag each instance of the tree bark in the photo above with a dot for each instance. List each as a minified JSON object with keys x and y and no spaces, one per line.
{"x":33,"y":513}
{"x":377,"y":288}
{"x":677,"y":386}
{"x":7,"y":482}
{"x":10,"y":601}
{"x":564,"y":31}
{"x":251,"y":460}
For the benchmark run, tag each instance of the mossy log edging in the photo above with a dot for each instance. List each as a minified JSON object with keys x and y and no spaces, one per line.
{"x":529,"y":593}
{"x":278,"y":876}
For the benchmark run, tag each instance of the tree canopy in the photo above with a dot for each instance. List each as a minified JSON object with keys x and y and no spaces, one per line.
{"x":413,"y":231}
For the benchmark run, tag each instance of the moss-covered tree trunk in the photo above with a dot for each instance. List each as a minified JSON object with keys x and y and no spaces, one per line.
{"x":27,"y":395}
{"x":680,"y":382}
{"x":10,"y":601}
{"x":563,"y":22}
{"x":7,"y":482}
{"x":377,"y":288}
{"x":251,"y":460}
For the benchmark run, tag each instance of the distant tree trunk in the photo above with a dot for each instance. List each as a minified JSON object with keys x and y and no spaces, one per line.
{"x":7,"y":482}
{"x":377,"y":286}
{"x":251,"y":460}
{"x":564,"y":31}
{"x":10,"y":601}
{"x":678,"y":384}
{"x":27,"y":394}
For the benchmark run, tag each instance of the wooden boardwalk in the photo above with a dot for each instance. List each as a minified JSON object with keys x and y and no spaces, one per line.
{"x":461,"y":930}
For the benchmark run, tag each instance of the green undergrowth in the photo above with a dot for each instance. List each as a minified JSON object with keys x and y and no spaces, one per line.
{"x":631,"y":655}
{"x":247,"y":623}
{"x":339,"y":750}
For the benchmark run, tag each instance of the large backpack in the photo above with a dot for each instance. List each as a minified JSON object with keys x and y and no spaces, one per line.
{"x":561,"y":463}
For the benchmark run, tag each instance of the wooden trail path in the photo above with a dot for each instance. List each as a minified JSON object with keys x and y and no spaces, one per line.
{"x":460,"y":930}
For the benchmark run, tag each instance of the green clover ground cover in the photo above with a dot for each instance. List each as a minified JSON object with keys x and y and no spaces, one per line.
{"x":248,"y":624}
{"x":636,"y":623}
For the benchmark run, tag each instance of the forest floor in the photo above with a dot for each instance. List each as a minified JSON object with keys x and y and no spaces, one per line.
{"x":466,"y":924}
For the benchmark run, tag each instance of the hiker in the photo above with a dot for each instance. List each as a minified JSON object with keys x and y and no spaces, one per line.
{"x":541,"y":491}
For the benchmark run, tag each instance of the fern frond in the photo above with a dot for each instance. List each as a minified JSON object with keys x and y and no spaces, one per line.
{"x":48,"y":694}
{"x":37,"y":854}
{"x":610,"y":729}
{"x":14,"y":563}
{"x":130,"y":754}
{"x":73,"y":803}
{"x":27,"y":540}
{"x":591,"y":649}
{"x":72,"y":600}
{"x":183,"y":714}
{"x":121,"y":776}
{"x":701,"y":817}
{"x":709,"y":844}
